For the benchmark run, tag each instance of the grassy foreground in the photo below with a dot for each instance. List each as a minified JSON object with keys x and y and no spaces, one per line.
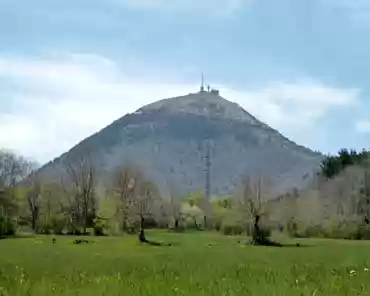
{"x":120,"y":266}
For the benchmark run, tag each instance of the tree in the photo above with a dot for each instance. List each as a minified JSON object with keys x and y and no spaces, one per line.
{"x":173,"y":207}
{"x":138,"y":198}
{"x":143,"y":204}
{"x":252,"y":204}
{"x":331,"y":166}
{"x":196,"y":202}
{"x":222,"y":212}
{"x":125,"y":181}
{"x":81,"y":182}
{"x":33,"y":196}
{"x":54,"y":208}
{"x":13,"y":169}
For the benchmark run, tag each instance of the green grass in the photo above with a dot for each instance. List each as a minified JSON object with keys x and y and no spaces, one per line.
{"x":120,"y":266}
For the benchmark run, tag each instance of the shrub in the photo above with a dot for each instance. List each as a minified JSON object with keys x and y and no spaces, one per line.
{"x":99,"y":228}
{"x":45,"y":228}
{"x":363,"y":232}
{"x":7,"y":227}
{"x":232,"y":229}
{"x":292,"y":228}
{"x":58,"y":226}
{"x":315,"y":231}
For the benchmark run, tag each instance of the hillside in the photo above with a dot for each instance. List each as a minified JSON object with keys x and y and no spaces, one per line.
{"x":168,"y":140}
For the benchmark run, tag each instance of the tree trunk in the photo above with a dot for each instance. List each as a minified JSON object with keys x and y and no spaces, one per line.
{"x":176,"y":224}
{"x":195,"y":222}
{"x":142,"y":238}
{"x":85,"y":214}
{"x":256,"y":235}
{"x":34,"y":218}
{"x":33,"y":222}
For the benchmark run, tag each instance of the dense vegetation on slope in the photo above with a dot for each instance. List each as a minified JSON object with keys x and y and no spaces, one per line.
{"x":333,"y":165}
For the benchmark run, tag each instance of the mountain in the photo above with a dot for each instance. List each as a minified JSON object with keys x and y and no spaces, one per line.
{"x":170,"y":139}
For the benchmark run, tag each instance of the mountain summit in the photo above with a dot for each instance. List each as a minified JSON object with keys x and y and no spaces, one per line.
{"x":207,"y":104}
{"x":171,"y":139}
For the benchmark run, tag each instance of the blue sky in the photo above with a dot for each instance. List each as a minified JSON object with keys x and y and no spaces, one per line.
{"x":69,"y":68}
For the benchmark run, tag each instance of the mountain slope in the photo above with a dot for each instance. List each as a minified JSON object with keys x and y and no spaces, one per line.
{"x":168,"y":140}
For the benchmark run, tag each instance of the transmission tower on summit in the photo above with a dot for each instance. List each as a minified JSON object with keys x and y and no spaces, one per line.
{"x":202,"y":85}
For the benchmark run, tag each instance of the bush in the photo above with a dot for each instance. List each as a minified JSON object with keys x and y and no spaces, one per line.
{"x":58,"y":226}
{"x":292,"y":228}
{"x":45,"y":228}
{"x":315,"y":231}
{"x":362,"y":232}
{"x":345,"y":230}
{"x":99,"y":228}
{"x":232,"y":229}
{"x":7,"y":227}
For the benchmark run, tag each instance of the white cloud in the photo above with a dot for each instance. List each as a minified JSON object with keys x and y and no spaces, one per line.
{"x":294,"y":106}
{"x":69,"y":98}
{"x":363,"y":126}
{"x":200,"y":7}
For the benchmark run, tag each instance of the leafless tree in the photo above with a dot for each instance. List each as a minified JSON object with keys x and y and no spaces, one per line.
{"x":124,"y":187}
{"x":80,"y":186}
{"x":33,"y":196}
{"x":173,"y":206}
{"x":144,"y":203}
{"x":252,"y":204}
{"x":13,"y":169}
{"x":138,"y":197}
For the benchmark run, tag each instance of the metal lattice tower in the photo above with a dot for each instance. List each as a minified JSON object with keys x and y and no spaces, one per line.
{"x":207,"y":170}
{"x":207,"y":188}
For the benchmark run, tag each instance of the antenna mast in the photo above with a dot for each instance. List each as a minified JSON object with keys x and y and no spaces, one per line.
{"x":202,"y":86}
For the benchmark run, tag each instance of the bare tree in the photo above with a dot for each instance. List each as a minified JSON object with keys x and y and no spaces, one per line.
{"x":173,"y":205}
{"x":13,"y":169}
{"x":125,"y":182}
{"x":252,"y":204}
{"x":138,"y":197}
{"x":81,"y":182}
{"x":144,"y":204}
{"x":33,"y":196}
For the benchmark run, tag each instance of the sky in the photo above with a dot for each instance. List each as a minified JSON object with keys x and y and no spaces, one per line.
{"x":68,"y":68}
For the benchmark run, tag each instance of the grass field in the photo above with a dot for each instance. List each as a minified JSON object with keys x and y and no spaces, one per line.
{"x":120,"y":266}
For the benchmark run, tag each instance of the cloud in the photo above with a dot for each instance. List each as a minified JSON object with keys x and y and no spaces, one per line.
{"x":362,"y":126}
{"x":202,"y":7}
{"x":53,"y":103}
{"x":295,"y":105}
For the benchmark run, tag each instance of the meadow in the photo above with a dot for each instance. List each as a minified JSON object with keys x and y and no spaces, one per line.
{"x":196,"y":264}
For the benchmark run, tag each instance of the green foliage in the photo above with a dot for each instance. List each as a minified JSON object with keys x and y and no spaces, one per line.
{"x":99,"y":227}
{"x":292,"y":227}
{"x":45,"y":227}
{"x":58,"y":224}
{"x":232,"y":229}
{"x":195,"y":199}
{"x":7,"y":227}
{"x":331,"y":166}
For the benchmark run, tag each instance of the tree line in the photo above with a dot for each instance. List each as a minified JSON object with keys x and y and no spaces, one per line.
{"x":73,"y":203}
